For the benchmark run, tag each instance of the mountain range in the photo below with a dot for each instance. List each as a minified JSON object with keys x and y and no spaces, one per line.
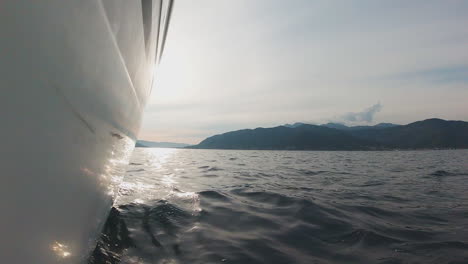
{"x":427,"y":134}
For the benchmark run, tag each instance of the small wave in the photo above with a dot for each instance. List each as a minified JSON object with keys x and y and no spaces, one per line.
{"x":372,"y":183}
{"x":214,"y":195}
{"x":228,"y":219}
{"x":443,"y":173}
{"x":311,"y":172}
{"x":137,"y":170}
{"x":373,"y":211}
{"x":245,"y":178}
{"x":214,"y":169}
{"x":265,"y":197}
{"x":209,"y":168}
{"x":394,"y":198}
{"x":210,"y":175}
{"x":262,"y":174}
{"x":439,"y":245}
{"x":366,"y":237}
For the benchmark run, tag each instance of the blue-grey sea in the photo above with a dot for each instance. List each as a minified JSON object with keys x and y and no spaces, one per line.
{"x":232,"y":206}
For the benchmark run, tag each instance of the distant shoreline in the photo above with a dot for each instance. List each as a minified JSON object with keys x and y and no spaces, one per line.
{"x":335,"y":150}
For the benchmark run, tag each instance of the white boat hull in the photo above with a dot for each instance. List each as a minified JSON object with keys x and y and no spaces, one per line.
{"x":74,"y":78}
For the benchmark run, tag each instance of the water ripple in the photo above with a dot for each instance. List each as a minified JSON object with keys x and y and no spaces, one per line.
{"x":290,"y":207}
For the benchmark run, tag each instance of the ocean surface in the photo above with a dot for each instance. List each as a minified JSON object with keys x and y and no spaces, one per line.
{"x":229,"y":206}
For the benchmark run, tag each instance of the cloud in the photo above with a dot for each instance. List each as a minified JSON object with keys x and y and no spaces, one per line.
{"x":365,"y":116}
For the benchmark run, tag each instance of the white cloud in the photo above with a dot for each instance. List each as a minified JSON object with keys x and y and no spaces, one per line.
{"x":366,"y":116}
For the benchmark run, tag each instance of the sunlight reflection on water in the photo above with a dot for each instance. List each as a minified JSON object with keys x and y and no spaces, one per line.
{"x":164,"y":185}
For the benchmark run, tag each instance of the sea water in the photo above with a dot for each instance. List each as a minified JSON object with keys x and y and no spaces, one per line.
{"x":234,"y":206}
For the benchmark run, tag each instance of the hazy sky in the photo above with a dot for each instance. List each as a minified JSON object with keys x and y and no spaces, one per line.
{"x":233,"y":64}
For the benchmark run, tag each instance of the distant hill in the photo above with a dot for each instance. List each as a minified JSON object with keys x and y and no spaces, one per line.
{"x":299,"y":138}
{"x":336,"y":126}
{"x":344,"y":127}
{"x":295,"y":125}
{"x":430,"y":133}
{"x":427,"y":134}
{"x":150,"y":144}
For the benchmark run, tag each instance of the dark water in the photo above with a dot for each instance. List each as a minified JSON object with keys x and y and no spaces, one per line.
{"x":214,"y":206}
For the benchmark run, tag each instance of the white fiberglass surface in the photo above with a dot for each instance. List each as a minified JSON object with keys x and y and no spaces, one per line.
{"x":71,"y":100}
